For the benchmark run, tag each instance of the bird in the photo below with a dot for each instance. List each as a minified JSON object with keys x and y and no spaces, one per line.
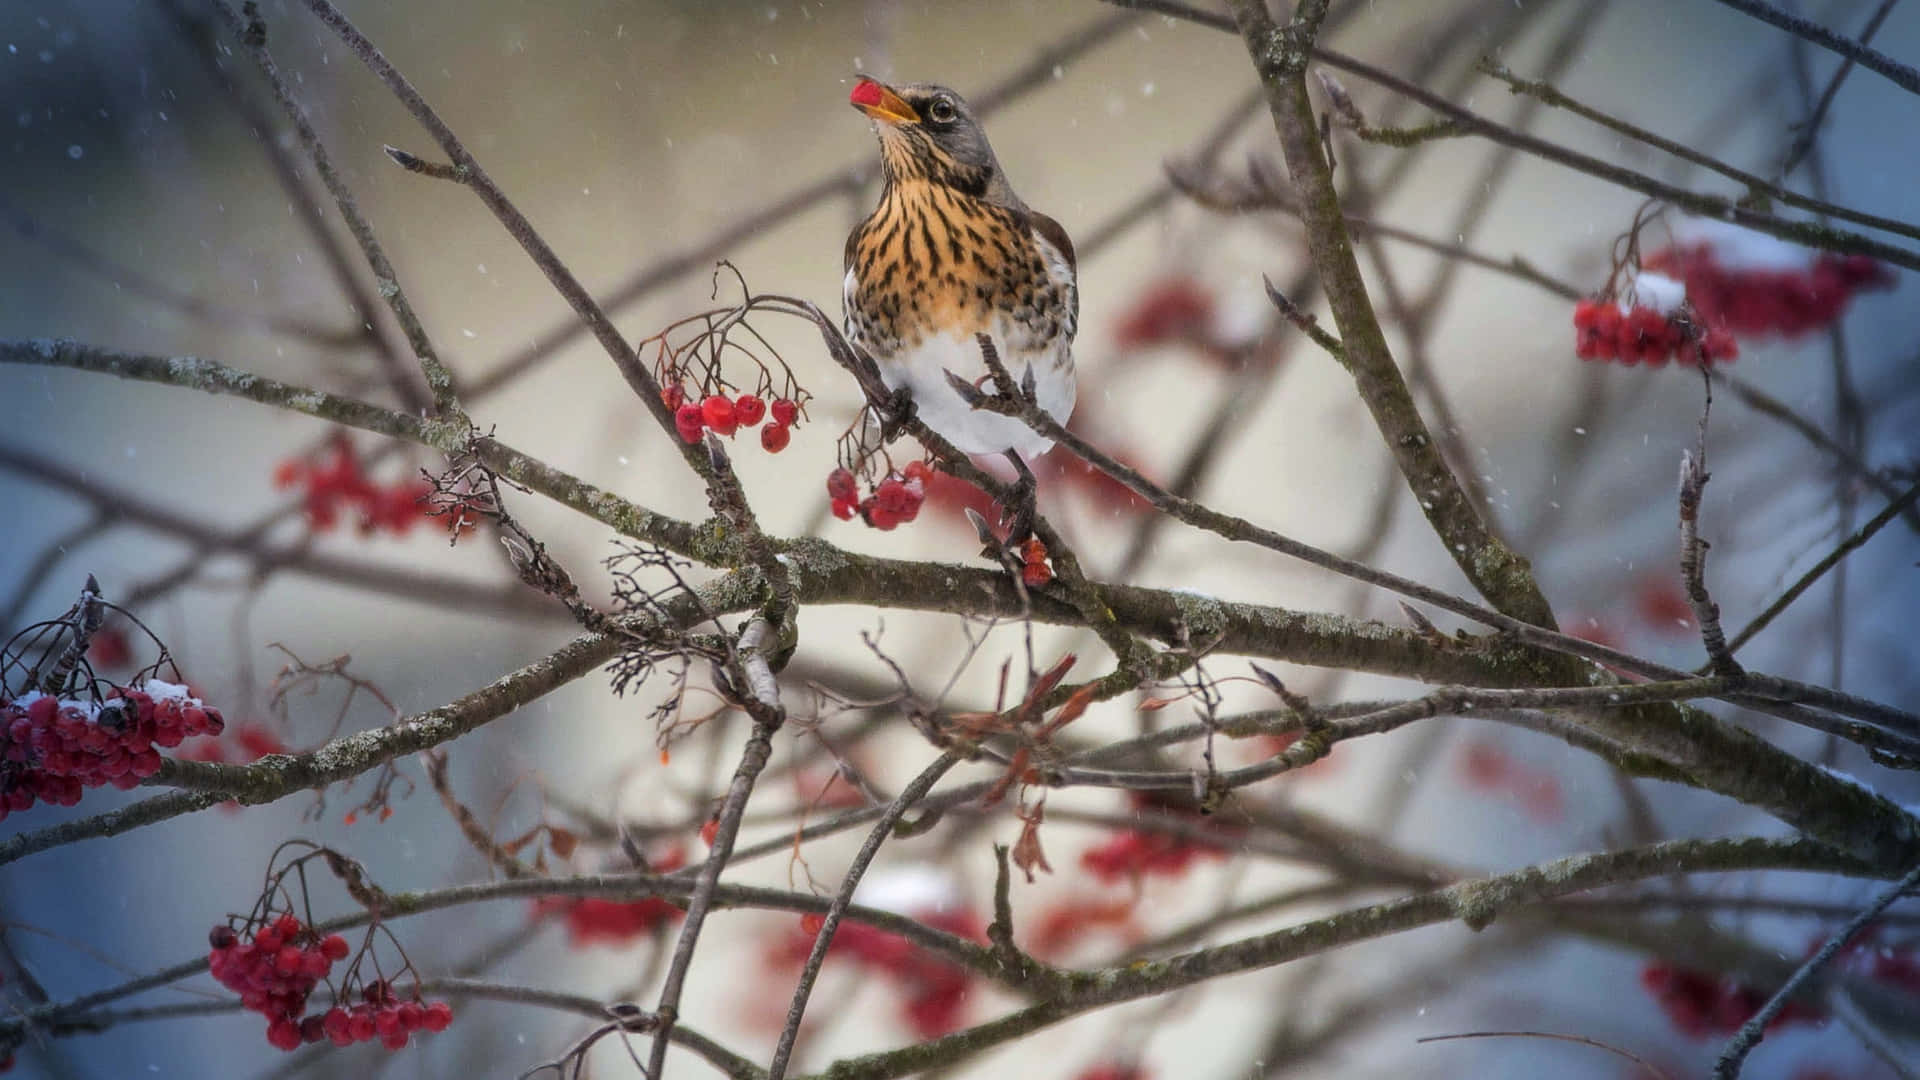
{"x":949,"y":254}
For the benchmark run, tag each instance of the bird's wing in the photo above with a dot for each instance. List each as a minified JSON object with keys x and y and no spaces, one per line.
{"x":853,"y":241}
{"x":1055,"y":235}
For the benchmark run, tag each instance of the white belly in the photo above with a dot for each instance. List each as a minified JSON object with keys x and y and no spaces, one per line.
{"x":921,"y":370}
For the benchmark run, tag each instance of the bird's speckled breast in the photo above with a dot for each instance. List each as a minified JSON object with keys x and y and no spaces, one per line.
{"x":933,"y":261}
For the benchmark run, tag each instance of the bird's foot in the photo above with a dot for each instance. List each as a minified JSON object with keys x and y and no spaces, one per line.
{"x":895,"y":412}
{"x":1020,"y":505}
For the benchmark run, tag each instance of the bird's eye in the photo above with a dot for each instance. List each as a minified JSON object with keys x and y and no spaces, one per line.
{"x":942,"y":111}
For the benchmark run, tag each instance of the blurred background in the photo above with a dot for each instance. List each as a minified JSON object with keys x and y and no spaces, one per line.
{"x":153,"y":200}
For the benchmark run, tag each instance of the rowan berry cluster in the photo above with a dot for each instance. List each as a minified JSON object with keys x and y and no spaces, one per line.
{"x":275,"y":970}
{"x":1783,"y":300}
{"x":52,"y":749}
{"x":380,"y":1014}
{"x":1643,"y":335}
{"x":725,"y":415}
{"x":932,"y":990}
{"x":1487,"y":767}
{"x":1171,"y":310}
{"x":1701,"y":1004}
{"x":339,"y":482}
{"x":593,"y":920}
{"x":1131,"y":854}
{"x":895,"y":500}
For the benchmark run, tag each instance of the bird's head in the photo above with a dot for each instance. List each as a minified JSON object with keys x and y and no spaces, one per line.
{"x":927,"y":133}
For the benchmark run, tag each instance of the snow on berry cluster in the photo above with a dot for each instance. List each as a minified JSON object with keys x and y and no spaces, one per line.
{"x":725,"y":415}
{"x":275,"y":970}
{"x":1649,"y":333}
{"x":338,"y":482}
{"x":895,"y":500}
{"x":1757,"y":286}
{"x":1716,"y":283}
{"x":52,"y":749}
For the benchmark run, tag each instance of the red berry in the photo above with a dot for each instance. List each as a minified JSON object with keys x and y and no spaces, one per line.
{"x":313,"y":1028}
{"x":718,"y":412}
{"x":891,"y":496}
{"x":749,"y":410}
{"x":842,"y":509}
{"x":918,"y":471}
{"x":689,"y":420}
{"x":360,"y":1027}
{"x":314,"y":964}
{"x":284,"y":1034}
{"x":1718,"y":344}
{"x":396,"y":1040}
{"x":673,"y":397}
{"x":709,"y":830}
{"x":775,"y":437}
{"x":1036,"y":574}
{"x":841,"y":486}
{"x":412,"y":1016}
{"x":334,"y":947}
{"x":267,"y":939}
{"x":439,"y":1014}
{"x":785,"y":412}
{"x":222,"y":937}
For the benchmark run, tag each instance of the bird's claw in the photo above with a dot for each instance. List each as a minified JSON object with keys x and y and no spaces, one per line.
{"x":1018,"y":510}
{"x":895,"y":412}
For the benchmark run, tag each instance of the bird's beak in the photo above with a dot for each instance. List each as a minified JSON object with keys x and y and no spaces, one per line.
{"x":881,"y":103}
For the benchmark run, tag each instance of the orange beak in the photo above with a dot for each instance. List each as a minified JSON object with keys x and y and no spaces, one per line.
{"x":881,"y":103}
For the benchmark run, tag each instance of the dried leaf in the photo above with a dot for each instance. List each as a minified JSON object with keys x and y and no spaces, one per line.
{"x":1027,"y":853}
{"x":1075,"y":707}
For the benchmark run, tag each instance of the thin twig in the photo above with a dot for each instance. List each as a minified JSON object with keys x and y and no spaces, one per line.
{"x":1898,"y":506}
{"x":916,"y":790}
{"x":251,"y":36}
{"x":1906,"y":78}
{"x":1757,"y":186}
{"x":761,"y":700}
{"x":1727,"y":1067}
{"x":1693,"y":550}
{"x":1810,"y":127}
{"x":1715,"y":206}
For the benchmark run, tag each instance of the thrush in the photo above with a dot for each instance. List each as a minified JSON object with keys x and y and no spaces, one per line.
{"x":950,"y":254}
